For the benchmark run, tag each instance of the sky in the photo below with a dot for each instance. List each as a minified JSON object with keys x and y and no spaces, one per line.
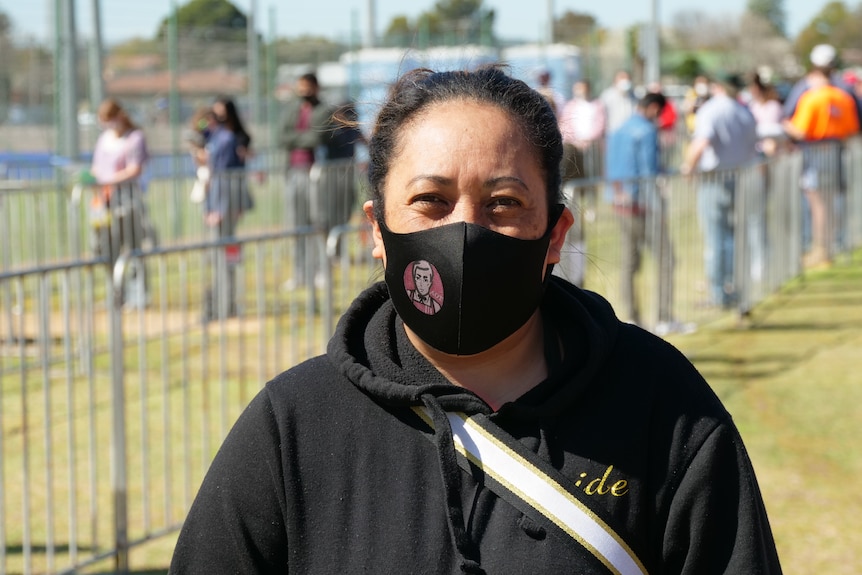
{"x":515,"y":19}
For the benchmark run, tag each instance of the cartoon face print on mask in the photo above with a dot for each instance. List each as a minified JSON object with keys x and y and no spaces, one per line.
{"x":423,"y":286}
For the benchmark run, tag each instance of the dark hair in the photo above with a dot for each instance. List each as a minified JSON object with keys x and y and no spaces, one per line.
{"x":310,"y":77}
{"x":418,"y":89}
{"x":652,"y":98}
{"x":233,"y":122}
{"x":767,"y":91}
{"x":110,"y":109}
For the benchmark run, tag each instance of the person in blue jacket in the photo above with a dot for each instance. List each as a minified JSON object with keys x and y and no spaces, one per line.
{"x":632,"y":170}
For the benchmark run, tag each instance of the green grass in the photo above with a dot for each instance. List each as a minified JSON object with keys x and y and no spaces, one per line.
{"x":791,"y":381}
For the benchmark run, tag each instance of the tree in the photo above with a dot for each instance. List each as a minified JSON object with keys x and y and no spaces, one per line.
{"x":208,"y":19}
{"x":459,"y":21}
{"x":836,"y":25}
{"x":772,"y":11}
{"x":308,"y":50}
{"x":454,"y":10}
{"x":5,"y":52}
{"x":689,"y":69}
{"x":399,"y":30}
{"x":696,"y":30}
{"x":5,"y":24}
{"x":574,"y":28}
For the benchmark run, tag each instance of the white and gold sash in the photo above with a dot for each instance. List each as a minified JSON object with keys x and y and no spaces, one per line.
{"x":529,"y":484}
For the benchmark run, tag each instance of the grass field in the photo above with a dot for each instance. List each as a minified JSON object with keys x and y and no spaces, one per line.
{"x":791,"y":380}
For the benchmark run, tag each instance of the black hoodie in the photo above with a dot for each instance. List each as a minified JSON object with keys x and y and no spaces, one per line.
{"x":329,"y":470}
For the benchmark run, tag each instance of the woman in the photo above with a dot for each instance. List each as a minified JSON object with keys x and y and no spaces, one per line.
{"x":119,"y":158}
{"x":766,"y":109}
{"x":347,"y":463}
{"x":228,"y":197}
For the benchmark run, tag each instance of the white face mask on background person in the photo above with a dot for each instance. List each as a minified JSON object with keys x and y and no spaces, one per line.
{"x":624,"y":85}
{"x":701,"y":89}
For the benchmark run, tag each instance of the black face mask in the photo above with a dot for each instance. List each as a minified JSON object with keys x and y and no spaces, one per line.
{"x":463,"y":288}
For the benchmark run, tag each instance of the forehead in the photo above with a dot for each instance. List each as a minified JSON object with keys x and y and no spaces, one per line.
{"x":457,"y":118}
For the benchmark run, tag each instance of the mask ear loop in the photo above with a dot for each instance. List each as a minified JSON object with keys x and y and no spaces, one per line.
{"x":554,"y":214}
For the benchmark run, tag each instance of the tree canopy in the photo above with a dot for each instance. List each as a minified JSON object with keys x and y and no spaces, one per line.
{"x":574,"y":28}
{"x":460,"y":21}
{"x":772,"y":11}
{"x":835,"y":24}
{"x":211,"y":19}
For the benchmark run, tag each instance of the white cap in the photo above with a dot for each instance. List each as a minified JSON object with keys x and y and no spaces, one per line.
{"x":823,"y":55}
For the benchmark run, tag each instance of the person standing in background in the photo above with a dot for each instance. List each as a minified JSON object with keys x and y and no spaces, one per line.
{"x":554,"y":98}
{"x":118,"y":162}
{"x":227,"y":148}
{"x":766,"y":109}
{"x":582,"y":124}
{"x":633,"y":165}
{"x":619,"y":101}
{"x":824,"y":57}
{"x":695,"y":97}
{"x":305,"y":133}
{"x":724,"y":139}
{"x":824,"y":113}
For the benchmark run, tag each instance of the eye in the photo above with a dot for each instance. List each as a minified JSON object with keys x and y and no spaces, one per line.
{"x":505,"y":201}
{"x":427,"y":198}
{"x":504,"y":204}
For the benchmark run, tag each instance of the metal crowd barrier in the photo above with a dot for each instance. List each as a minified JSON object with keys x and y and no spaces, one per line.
{"x":33,"y":224}
{"x":110,"y":413}
{"x":754,"y":223}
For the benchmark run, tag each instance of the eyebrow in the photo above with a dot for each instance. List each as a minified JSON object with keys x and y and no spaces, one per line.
{"x":491,"y":183}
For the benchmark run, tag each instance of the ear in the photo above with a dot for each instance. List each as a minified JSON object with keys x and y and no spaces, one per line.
{"x":378,"y":251}
{"x":558,"y":236}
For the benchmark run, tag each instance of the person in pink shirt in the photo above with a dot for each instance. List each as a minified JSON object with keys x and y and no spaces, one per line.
{"x":767,"y":111}
{"x":119,"y":158}
{"x":582,"y":124}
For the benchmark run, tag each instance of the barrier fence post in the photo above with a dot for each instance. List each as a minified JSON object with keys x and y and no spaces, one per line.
{"x":119,"y":479}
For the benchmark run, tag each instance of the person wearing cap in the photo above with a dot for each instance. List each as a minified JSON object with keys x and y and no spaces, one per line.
{"x":724,"y":139}
{"x":826,"y":57}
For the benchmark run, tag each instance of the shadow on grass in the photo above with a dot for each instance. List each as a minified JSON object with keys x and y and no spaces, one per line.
{"x":800,"y":327}
{"x":744,"y":371}
{"x":60,"y":549}
{"x":133,"y":572}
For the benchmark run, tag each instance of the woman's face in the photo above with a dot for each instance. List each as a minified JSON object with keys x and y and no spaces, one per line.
{"x":219,"y":111}
{"x":467,"y":161}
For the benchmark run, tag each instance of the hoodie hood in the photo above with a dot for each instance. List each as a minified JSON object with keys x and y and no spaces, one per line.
{"x":371,"y":349}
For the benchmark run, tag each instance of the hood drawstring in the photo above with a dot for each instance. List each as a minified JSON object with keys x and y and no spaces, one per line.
{"x":451,"y":474}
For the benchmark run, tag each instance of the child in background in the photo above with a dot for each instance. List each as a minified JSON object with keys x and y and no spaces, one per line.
{"x":196,"y":136}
